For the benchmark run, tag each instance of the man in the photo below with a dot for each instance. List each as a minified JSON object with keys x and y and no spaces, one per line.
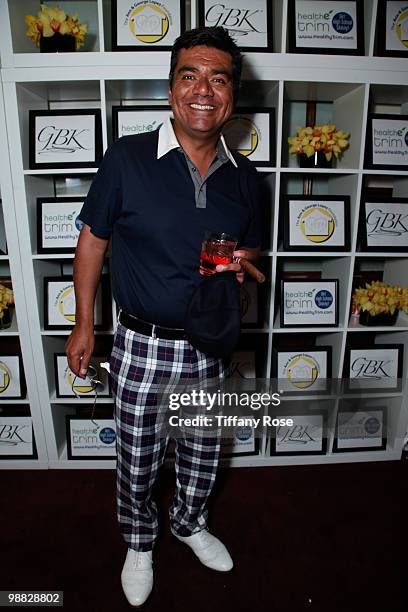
{"x":155,"y":195}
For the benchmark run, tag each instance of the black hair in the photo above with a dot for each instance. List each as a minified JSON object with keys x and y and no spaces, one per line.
{"x":216,"y":37}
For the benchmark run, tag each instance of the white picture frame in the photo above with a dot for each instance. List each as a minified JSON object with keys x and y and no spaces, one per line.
{"x":66,"y":138}
{"x":138,"y":25}
{"x":326,"y":26}
{"x":361,"y":430}
{"x":130,"y":120}
{"x":16,"y":437}
{"x":302,"y":371}
{"x":59,"y":303}
{"x":251,"y":132}
{"x":65,"y":379}
{"x":249,"y":25}
{"x":90,"y":438}
{"x":311,"y":303}
{"x":306,"y":436}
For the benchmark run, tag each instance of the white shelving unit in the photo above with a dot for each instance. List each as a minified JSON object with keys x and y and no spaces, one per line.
{"x":347,"y":88}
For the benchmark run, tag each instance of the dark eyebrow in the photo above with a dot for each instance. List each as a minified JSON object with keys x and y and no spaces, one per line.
{"x":194,"y":69}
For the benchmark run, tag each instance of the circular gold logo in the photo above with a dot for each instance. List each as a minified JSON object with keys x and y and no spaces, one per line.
{"x":66,"y":304}
{"x":81,"y":385}
{"x":302,"y":371}
{"x":149,"y":22}
{"x":317,"y":224}
{"x":4,"y":377}
{"x":242,"y":135}
{"x":401,"y":28}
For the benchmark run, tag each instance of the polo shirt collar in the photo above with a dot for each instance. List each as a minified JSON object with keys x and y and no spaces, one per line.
{"x":167,"y":142}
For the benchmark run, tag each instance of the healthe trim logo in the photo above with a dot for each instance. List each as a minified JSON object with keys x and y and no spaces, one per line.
{"x":149,"y":22}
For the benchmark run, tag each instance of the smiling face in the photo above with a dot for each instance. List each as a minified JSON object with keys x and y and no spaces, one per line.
{"x":202,"y":93}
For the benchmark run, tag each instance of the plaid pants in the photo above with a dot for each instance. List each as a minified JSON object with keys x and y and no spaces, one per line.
{"x":141,"y":367}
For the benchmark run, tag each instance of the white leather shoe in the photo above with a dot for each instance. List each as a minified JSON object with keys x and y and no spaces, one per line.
{"x":209,"y":549}
{"x":137,"y":576}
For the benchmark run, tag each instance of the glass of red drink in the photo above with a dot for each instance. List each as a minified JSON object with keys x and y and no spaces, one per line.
{"x":217,"y":248}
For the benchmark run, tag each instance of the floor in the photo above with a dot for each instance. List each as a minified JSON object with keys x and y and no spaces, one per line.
{"x":319,"y":538}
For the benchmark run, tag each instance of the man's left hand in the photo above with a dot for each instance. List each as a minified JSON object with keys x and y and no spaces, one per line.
{"x":251,"y":254}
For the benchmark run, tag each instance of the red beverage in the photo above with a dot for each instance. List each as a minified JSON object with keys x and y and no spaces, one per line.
{"x":214,"y":252}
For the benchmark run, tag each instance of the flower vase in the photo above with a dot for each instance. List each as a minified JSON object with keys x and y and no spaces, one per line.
{"x":318,"y":160}
{"x":57,"y":43}
{"x":384,"y":318}
{"x":5,"y":321}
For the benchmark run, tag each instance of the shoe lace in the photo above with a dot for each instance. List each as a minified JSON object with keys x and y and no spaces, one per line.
{"x":204,"y":537}
{"x":137,"y":561}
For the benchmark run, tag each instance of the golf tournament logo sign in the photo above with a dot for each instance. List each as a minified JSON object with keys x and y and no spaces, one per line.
{"x":397,"y":26}
{"x":148,"y":22}
{"x":302,"y":370}
{"x":80,"y":386}
{"x":5,"y":377}
{"x":65,"y":303}
{"x":316,"y":25}
{"x":242,"y":135}
{"x":317,"y":223}
{"x":390,"y":141}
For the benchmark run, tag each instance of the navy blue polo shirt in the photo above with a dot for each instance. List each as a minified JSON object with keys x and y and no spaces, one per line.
{"x":148,"y":208}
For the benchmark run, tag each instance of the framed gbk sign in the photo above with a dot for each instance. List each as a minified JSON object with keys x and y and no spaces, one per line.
{"x":384,"y":224}
{"x":302,"y":371}
{"x":251,"y":132}
{"x":374,"y":368}
{"x":143,"y":25}
{"x":128,"y":120}
{"x":387,"y":142}
{"x":65,"y":138}
{"x":316,"y":224}
{"x":59,"y":303}
{"x":249,"y":22}
{"x":311,"y":303}
{"x":326,"y":26}
{"x":58,"y":225}
{"x":306,"y":436}
{"x":392,"y":28}
{"x":17,"y":438}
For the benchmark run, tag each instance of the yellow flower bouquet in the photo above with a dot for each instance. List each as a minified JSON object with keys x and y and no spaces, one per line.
{"x":319,"y":139}
{"x":53,"y":21}
{"x":379,"y":298}
{"x":6,"y":300}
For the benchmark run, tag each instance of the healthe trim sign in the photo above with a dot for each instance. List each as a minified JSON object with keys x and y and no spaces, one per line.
{"x":387,"y":145}
{"x":309,"y":303}
{"x":326,"y":26}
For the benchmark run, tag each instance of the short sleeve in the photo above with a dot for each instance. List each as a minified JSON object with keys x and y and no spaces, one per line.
{"x":250,"y":188}
{"x":103,"y":202}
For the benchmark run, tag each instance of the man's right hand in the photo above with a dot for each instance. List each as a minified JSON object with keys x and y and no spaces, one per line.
{"x":79,"y":348}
